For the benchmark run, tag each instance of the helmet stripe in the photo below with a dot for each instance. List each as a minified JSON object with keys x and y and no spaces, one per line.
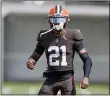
{"x":60,"y":9}
{"x":55,"y":9}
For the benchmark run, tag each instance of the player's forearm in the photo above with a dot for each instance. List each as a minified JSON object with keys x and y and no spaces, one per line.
{"x":37,"y":52}
{"x":87,"y":64}
{"x":87,"y":67}
{"x":35,"y":56}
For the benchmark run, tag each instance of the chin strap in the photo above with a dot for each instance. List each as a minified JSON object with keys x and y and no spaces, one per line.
{"x":60,"y":33}
{"x":64,"y":35}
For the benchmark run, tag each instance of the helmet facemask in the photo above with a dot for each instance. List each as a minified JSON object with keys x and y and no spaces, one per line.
{"x":57,"y":23}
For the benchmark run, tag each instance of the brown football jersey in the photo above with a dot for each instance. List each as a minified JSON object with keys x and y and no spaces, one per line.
{"x":59,"y":50}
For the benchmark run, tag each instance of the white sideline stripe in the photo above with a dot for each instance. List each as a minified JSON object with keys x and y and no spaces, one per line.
{"x":32,"y":90}
{"x":6,"y":90}
{"x":84,"y":91}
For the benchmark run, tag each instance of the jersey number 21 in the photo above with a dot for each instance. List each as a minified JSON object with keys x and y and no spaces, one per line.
{"x":56,"y":55}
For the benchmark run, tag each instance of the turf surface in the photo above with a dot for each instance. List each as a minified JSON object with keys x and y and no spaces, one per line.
{"x":33,"y":88}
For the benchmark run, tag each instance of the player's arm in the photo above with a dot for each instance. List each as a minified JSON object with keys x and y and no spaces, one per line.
{"x":36,"y":54}
{"x":84,"y":56}
{"x":87,"y":62}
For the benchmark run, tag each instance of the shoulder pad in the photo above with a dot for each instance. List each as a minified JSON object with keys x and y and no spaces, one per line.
{"x":77,"y":34}
{"x":39,"y":34}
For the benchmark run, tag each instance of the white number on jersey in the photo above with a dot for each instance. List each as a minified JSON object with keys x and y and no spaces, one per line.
{"x":56,"y":54}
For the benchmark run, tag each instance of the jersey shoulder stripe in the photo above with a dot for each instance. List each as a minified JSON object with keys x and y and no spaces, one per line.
{"x":45,"y":32}
{"x":42,"y":32}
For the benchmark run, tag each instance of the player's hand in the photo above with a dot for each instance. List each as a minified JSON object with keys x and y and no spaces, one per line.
{"x":31,"y":64}
{"x":85,"y":83}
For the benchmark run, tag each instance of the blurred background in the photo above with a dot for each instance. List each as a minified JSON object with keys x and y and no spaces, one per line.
{"x":21,"y":23}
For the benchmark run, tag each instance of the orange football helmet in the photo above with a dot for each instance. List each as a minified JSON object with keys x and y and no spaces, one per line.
{"x":58,"y":17}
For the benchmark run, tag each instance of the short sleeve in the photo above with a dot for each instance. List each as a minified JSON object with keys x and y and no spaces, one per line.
{"x":38,"y":37}
{"x":78,"y":35}
{"x":39,"y":48}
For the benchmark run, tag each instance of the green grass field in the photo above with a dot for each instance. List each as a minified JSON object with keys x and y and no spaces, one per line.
{"x":33,"y":88}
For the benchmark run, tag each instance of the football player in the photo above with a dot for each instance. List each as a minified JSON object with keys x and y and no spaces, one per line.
{"x":60,"y":44}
